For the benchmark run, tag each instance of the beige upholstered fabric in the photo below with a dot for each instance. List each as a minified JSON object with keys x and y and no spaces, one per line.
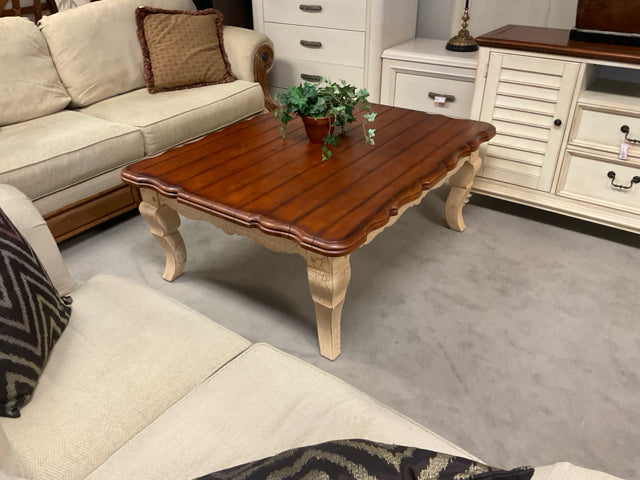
{"x":182,"y":49}
{"x":45,"y":154}
{"x":567,"y":471}
{"x":34,"y":229}
{"x":261,"y":403}
{"x":10,"y":467}
{"x":95,"y":47}
{"x":241,"y":46}
{"x":128,"y":354}
{"x":30,"y":83}
{"x":171,"y":118}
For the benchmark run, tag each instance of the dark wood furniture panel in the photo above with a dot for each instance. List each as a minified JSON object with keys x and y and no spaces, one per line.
{"x":557,"y":42}
{"x":80,"y":216}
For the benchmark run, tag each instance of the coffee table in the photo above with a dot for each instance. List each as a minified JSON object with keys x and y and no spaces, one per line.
{"x":248,"y":180}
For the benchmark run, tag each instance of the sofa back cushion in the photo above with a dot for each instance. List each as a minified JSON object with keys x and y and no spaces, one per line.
{"x":95,"y":47}
{"x":30,"y":84}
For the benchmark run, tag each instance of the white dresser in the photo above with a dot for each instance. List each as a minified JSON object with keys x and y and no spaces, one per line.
{"x":335,"y":39}
{"x":422,"y":75}
{"x":561,"y":109}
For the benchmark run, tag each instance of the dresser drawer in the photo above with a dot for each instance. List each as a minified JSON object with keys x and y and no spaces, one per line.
{"x":600,"y":129}
{"x":287,"y":72}
{"x":341,"y":47}
{"x":423,"y":92}
{"x":349,"y":15}
{"x":587,"y":179}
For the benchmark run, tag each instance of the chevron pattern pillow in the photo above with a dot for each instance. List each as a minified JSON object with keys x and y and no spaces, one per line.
{"x":357,"y":459}
{"x":32,"y":317}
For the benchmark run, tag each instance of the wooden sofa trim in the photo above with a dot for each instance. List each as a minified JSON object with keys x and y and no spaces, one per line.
{"x":89,"y":212}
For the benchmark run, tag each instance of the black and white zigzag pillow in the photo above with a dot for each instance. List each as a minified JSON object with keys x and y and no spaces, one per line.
{"x":357,"y":459}
{"x":32,"y":317}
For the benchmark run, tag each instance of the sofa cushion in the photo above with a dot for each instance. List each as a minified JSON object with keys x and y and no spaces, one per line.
{"x":34,"y":229}
{"x":30,"y":84}
{"x":128,"y":354}
{"x":43,"y":155}
{"x":32,"y":318}
{"x":95,"y":47}
{"x":182,"y":49}
{"x":168,"y":119}
{"x":261,"y":403}
{"x":358,"y":459}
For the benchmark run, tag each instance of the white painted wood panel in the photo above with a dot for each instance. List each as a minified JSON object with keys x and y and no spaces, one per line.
{"x":412,"y":91}
{"x":586,"y":179}
{"x":385,"y":23}
{"x":287,"y":72}
{"x":523,"y":97}
{"x":351,"y":15}
{"x":288,"y":39}
{"x":599,"y":129}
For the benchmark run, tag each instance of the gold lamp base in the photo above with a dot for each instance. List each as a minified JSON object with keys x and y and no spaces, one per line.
{"x":463,"y":41}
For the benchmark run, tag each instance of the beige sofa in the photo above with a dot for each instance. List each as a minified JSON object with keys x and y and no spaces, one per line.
{"x":74,"y":109}
{"x":142,"y":387}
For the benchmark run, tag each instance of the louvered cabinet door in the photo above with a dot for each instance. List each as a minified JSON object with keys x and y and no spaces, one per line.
{"x":528,"y":100}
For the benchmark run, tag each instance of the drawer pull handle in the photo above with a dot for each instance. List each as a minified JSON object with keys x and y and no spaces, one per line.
{"x":311,"y":78}
{"x":311,"y":8}
{"x":625,"y":129}
{"x":447,"y":98}
{"x":612,"y":176}
{"x":310,"y":44}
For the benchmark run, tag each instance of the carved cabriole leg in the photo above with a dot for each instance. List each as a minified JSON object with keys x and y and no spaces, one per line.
{"x":164,"y":223}
{"x":461,"y":183}
{"x":328,"y":281}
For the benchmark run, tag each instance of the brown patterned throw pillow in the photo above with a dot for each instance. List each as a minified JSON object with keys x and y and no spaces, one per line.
{"x":182,"y":49}
{"x":357,"y":459}
{"x":32,"y":318}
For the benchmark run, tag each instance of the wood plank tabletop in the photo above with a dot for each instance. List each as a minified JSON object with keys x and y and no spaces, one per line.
{"x":249,"y":175}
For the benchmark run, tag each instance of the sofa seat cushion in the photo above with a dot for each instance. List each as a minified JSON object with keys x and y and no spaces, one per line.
{"x":128,"y":354}
{"x":260,"y":404}
{"x":167,"y":119}
{"x":95,"y":47}
{"x":49,"y":153}
{"x":30,"y":84}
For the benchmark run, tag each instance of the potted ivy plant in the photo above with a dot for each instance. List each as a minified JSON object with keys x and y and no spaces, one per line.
{"x":322,"y":107}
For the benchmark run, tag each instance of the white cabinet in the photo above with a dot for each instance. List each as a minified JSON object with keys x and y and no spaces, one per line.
{"x":334,"y":39}
{"x":527,"y":99}
{"x":422,"y":75}
{"x":561,"y":111}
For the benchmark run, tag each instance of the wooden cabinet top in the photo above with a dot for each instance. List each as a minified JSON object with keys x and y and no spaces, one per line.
{"x":556,"y":41}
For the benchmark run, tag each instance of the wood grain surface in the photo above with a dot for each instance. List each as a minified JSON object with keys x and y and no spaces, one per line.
{"x":249,"y":175}
{"x":556,"y":41}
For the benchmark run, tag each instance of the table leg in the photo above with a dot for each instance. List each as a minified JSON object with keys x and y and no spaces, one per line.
{"x":461,"y":184}
{"x":328,"y":281}
{"x":164,"y":223}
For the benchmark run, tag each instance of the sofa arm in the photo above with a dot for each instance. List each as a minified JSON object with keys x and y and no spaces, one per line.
{"x":250,"y":54}
{"x":34,"y":229}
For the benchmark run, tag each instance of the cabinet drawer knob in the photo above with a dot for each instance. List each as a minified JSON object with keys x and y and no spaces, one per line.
{"x":612,"y":176}
{"x":625,"y":129}
{"x":310,"y":44}
{"x":557,"y":122}
{"x":310,"y":78}
{"x":443,"y":96}
{"x":311,"y":8}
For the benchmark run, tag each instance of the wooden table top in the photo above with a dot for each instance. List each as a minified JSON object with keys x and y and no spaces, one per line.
{"x":556,"y":41}
{"x":249,"y":175}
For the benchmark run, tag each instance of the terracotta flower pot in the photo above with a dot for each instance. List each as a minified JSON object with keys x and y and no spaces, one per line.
{"x":318,"y":128}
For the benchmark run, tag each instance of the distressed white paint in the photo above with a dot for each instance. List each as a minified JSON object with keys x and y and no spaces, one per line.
{"x":435,"y":15}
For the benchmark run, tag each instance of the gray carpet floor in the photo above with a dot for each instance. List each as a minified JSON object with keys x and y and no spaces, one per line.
{"x":518,"y":339}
